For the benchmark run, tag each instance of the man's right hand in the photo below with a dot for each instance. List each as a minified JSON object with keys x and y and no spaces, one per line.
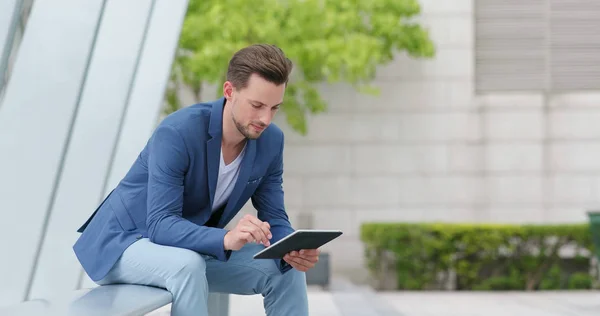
{"x":248,"y":229}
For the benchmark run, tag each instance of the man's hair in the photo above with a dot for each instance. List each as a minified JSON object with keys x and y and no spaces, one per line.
{"x":267,"y":61}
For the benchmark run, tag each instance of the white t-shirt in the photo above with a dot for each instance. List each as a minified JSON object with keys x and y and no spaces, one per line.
{"x":226,"y":181}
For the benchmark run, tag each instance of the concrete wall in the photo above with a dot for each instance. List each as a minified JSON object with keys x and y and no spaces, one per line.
{"x":429,"y":149}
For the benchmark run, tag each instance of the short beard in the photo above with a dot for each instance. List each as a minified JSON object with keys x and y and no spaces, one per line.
{"x":243,"y":130}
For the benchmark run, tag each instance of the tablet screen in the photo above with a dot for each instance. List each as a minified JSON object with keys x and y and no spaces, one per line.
{"x":298,"y":240}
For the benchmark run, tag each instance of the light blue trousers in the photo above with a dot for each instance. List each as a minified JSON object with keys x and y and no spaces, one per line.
{"x":190,"y":276}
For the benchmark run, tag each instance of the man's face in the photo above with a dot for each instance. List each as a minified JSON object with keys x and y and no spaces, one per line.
{"x":253,"y":107}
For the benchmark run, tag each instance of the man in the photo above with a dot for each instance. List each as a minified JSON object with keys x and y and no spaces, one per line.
{"x":163,"y":225}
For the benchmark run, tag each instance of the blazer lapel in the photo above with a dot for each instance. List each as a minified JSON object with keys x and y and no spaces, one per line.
{"x":213,"y":146}
{"x":242,"y":180}
{"x":213,"y":157}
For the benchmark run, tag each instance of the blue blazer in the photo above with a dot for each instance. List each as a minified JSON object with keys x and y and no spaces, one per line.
{"x":168,"y":192}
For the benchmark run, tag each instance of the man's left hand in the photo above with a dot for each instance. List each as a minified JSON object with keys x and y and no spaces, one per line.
{"x":303,"y":260}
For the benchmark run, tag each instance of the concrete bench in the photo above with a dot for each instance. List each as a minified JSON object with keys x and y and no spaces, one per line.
{"x":108,"y":300}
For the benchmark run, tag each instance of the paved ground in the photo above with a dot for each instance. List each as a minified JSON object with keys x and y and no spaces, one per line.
{"x":348,"y":300}
{"x":442,"y":304}
{"x":495,"y":304}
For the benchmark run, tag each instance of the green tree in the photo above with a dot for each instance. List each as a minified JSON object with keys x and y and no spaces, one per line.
{"x":328,"y":41}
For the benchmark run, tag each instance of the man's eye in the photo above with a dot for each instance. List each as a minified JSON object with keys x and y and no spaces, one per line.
{"x":256,"y":106}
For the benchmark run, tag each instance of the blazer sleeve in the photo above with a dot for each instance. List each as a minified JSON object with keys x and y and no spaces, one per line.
{"x":268,"y":200}
{"x":168,"y":162}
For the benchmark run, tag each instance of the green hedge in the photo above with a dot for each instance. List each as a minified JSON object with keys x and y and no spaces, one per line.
{"x":479,"y":257}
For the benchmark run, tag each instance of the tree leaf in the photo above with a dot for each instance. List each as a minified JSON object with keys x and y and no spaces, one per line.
{"x":329,"y":41}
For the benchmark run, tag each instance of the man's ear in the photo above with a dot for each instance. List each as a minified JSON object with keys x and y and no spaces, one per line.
{"x":228,"y":90}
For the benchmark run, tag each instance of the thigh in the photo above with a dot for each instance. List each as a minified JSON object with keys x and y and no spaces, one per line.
{"x":147,"y":263}
{"x":241,"y":274}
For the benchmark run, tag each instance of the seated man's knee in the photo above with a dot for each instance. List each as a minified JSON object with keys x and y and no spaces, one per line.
{"x":187,"y":274}
{"x":270,"y":268}
{"x":295,"y":276}
{"x":275,"y":278}
{"x":190,"y":263}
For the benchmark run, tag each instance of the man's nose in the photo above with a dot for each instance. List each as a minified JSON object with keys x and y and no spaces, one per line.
{"x":266,"y":117}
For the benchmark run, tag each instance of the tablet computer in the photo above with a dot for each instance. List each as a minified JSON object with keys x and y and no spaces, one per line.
{"x":300,"y":239}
